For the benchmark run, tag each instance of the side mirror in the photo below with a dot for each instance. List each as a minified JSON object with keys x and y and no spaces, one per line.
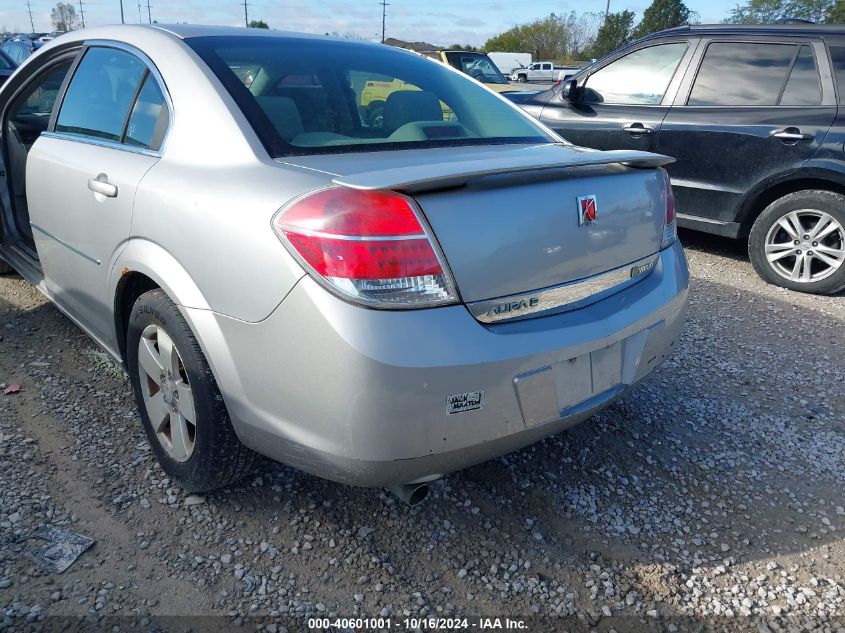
{"x":570,"y":91}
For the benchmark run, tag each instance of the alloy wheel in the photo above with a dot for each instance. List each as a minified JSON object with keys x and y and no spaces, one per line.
{"x":167,"y":393}
{"x":805,"y":245}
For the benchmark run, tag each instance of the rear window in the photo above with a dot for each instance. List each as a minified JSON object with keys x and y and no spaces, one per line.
{"x":316,"y":96}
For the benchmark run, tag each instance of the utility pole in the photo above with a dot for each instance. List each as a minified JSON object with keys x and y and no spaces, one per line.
{"x":82,"y":13}
{"x":31,"y":21}
{"x":140,"y":19}
{"x":150,"y":15}
{"x":384,"y":6}
{"x":606,"y":10}
{"x":122,"y":19}
{"x":246,"y":15}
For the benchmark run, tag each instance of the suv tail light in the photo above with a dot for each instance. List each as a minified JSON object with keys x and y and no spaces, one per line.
{"x":670,"y":227}
{"x":369,"y":246}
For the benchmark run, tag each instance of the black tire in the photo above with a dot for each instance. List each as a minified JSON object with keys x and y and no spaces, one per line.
{"x":218,"y":458}
{"x":5,"y":269}
{"x":803,"y":201}
{"x":521,"y":79}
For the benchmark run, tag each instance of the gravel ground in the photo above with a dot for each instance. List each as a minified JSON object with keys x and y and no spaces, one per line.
{"x":710,"y":497}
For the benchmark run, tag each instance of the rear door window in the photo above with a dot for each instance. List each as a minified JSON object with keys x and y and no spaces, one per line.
{"x":99,"y":95}
{"x":742,"y":74}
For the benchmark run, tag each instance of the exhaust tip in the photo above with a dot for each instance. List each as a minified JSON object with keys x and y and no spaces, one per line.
{"x":411,"y":494}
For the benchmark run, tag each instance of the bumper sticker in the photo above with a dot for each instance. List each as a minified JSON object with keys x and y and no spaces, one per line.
{"x":462,"y":402}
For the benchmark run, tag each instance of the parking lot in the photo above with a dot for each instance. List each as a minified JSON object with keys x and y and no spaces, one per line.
{"x":715,"y":489}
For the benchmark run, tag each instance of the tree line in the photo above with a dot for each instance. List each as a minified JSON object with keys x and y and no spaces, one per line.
{"x":573,"y":37}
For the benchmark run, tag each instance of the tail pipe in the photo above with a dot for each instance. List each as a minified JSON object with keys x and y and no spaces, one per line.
{"x":411,"y":494}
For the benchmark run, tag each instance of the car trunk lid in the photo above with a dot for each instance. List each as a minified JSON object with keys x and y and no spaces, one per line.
{"x":507,"y":218}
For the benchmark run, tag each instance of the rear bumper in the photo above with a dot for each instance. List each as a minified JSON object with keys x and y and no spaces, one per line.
{"x":361,"y":396}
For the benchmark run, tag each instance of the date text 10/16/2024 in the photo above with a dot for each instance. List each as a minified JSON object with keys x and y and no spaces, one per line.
{"x":414,"y":624}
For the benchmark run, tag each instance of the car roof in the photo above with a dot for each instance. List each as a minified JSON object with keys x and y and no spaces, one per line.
{"x":135,"y":32}
{"x":145,"y":36}
{"x":752,"y":29}
{"x":189,"y":31}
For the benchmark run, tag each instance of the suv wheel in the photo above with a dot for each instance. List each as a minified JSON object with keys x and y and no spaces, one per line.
{"x":182,"y":410}
{"x":5,"y":268}
{"x":522,"y":79}
{"x":798,"y":242}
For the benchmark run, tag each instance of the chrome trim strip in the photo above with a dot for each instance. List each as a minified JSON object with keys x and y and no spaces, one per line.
{"x":352,"y":238}
{"x":65,"y":244}
{"x":698,"y":218}
{"x":564,"y":297}
{"x":88,"y":140}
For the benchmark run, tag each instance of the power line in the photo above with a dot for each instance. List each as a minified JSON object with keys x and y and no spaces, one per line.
{"x":82,"y":13}
{"x":384,"y":6}
{"x":31,"y":21}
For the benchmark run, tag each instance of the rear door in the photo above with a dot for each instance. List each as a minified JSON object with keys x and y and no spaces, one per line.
{"x":625,"y":100}
{"x":82,"y":175}
{"x":753,"y":110}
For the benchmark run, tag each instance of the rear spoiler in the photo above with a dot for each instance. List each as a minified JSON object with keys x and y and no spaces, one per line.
{"x":453,"y":174}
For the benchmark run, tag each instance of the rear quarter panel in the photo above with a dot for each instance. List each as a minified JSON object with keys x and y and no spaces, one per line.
{"x":217,"y":224}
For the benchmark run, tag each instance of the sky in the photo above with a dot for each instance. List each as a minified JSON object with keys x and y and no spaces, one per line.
{"x":441,"y":22}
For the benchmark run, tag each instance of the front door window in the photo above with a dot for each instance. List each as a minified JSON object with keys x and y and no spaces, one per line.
{"x":638,"y":78}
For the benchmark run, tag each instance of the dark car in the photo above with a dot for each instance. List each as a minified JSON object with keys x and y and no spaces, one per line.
{"x":7,"y":67}
{"x":19,"y":49}
{"x":752,"y":115}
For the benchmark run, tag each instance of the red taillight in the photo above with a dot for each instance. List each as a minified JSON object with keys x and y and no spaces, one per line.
{"x":670,"y":230}
{"x":366,"y":259}
{"x":369,"y":245}
{"x":347,"y":212}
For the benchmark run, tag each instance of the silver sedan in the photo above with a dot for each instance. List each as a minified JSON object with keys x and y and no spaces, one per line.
{"x":376,"y":300}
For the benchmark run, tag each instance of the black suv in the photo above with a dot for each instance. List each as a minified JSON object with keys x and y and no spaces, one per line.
{"x":752,"y":115}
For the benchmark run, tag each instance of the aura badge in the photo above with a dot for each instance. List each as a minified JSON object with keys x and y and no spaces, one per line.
{"x":587,"y":210}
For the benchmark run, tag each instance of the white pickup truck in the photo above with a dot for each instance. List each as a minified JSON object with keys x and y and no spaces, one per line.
{"x":542,"y":71}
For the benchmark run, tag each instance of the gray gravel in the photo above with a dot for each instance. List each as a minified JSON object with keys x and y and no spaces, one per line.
{"x":711,"y":494}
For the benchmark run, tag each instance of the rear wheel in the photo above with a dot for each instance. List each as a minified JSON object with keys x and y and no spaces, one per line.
{"x":5,"y":269}
{"x":181,"y":407}
{"x":798,"y":242}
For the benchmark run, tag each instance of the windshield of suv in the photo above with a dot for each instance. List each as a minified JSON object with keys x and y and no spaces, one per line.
{"x":476,"y":65}
{"x":307,"y":96}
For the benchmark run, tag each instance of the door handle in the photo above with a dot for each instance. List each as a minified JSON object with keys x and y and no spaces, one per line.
{"x":638,"y":128}
{"x":101,"y":185}
{"x":791,"y":134}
